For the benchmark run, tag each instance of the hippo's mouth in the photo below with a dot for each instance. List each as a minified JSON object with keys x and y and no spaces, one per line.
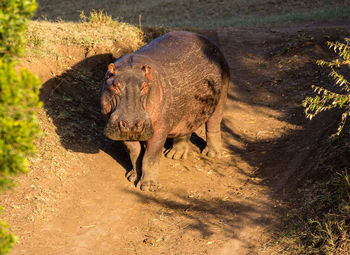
{"x":117,"y":135}
{"x":124,"y":128}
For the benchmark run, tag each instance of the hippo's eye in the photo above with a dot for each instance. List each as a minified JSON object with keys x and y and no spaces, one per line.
{"x":144,"y":88}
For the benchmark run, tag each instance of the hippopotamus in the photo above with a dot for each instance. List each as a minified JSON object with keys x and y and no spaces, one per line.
{"x":166,"y":89}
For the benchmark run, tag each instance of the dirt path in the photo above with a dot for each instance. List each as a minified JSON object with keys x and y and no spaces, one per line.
{"x":77,"y":201}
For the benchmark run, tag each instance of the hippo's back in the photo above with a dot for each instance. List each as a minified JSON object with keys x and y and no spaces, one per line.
{"x":193,"y":72}
{"x":181,"y":48}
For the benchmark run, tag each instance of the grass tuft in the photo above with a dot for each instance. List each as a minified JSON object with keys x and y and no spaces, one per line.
{"x":97,"y":17}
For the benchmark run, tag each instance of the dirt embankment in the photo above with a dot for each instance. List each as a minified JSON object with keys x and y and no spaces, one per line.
{"x":77,"y":201}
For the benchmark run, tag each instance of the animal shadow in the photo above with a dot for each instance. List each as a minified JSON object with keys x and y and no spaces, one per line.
{"x":72,"y":101}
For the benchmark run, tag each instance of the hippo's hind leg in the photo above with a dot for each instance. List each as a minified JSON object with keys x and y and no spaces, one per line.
{"x":213,"y":130}
{"x":213,"y":135}
{"x":135,"y":157}
{"x":180,"y":148}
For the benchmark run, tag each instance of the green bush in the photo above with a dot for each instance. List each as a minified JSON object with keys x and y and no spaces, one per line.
{"x":18,"y":124}
{"x":14,"y":16}
{"x":324,"y":211}
{"x":327,"y":99}
{"x":6,"y":239}
{"x":18,"y":92}
{"x":18,"y":100}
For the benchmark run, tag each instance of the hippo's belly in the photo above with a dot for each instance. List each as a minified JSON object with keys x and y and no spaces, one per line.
{"x":198,"y":111}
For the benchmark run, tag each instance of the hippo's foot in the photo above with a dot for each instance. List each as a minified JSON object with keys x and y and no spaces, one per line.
{"x":179,"y":149}
{"x":213,"y":148}
{"x":150,"y":185}
{"x":132,"y":176}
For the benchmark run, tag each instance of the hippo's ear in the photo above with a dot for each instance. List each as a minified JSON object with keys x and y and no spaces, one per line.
{"x":147,"y":70}
{"x":111,"y":68}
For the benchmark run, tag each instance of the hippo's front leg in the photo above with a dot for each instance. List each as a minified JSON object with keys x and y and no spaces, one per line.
{"x":134,"y":149}
{"x":150,"y":162}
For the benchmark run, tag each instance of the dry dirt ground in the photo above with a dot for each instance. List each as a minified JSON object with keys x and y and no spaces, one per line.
{"x":76,"y":200}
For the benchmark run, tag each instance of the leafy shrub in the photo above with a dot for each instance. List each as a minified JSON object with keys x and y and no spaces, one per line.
{"x":6,"y":240}
{"x":18,"y":99}
{"x":14,"y":16}
{"x":327,"y":99}
{"x":18,"y":92}
{"x":322,"y":216}
{"x":18,"y":124}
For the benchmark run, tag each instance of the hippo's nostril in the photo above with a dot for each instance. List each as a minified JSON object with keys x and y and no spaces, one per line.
{"x":122,"y":124}
{"x":139,"y":124}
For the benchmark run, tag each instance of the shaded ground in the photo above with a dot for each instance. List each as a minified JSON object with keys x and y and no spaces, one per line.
{"x":77,"y":201}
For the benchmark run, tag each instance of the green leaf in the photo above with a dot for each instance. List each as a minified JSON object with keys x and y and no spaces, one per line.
{"x":326,"y":99}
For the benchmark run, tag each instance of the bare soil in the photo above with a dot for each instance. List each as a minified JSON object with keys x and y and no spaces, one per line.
{"x":75,"y":199}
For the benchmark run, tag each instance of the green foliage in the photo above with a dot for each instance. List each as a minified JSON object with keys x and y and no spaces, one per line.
{"x":318,"y":221}
{"x":327,"y":99}
{"x":18,"y":124}
{"x":14,"y":16}
{"x":6,"y":239}
{"x":18,"y":92}
{"x":18,"y":99}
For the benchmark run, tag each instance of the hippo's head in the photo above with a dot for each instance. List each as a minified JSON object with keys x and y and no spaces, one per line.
{"x":123,"y":102}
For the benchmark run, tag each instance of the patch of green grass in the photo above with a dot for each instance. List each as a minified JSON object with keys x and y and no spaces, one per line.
{"x":253,"y":20}
{"x":203,"y":13}
{"x":292,"y":17}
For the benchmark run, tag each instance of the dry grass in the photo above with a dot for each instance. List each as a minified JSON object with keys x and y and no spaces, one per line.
{"x":318,"y":222}
{"x":97,"y":30}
